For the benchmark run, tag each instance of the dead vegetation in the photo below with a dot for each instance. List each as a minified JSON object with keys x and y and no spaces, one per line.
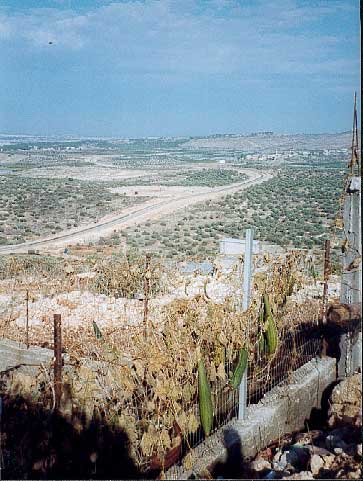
{"x":143,"y":378}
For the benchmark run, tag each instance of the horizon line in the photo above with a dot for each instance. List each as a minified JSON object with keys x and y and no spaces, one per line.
{"x":113,"y":137}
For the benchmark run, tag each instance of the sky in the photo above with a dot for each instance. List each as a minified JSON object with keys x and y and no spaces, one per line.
{"x":177,"y":67}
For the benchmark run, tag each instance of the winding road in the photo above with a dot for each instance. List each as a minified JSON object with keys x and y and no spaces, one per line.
{"x":134,"y":215}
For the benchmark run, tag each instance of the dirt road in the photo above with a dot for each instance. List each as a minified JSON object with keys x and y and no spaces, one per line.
{"x":151,"y":210}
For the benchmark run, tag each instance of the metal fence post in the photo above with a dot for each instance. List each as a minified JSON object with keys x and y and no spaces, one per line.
{"x":146,"y":293}
{"x":27,"y":319}
{"x":247,"y":278}
{"x":351,"y":280}
{"x":326,"y":279}
{"x":57,"y":360}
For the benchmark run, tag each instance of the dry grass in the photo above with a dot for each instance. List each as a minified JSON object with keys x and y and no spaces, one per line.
{"x":144,"y":378}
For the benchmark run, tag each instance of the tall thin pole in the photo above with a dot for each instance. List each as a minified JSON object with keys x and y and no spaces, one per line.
{"x":351,"y":277}
{"x":353,"y":137}
{"x":146,"y":293}
{"x":1,"y":452}
{"x":247,"y":270}
{"x":27,"y":319}
{"x":57,"y":359}
{"x":247,"y":279}
{"x":354,"y":165}
{"x":326,"y":279}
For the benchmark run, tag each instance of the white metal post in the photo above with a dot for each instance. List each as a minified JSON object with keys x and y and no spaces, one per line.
{"x":247,"y":278}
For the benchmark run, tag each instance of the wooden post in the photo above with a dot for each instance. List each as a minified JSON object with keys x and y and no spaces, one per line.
{"x":57,"y":359}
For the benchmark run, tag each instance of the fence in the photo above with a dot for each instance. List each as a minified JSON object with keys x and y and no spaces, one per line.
{"x":142,"y":373}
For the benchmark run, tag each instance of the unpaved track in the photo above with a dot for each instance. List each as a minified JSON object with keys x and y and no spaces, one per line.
{"x":151,"y":210}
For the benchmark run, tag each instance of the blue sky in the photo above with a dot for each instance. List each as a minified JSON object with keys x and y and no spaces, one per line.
{"x":177,"y":67}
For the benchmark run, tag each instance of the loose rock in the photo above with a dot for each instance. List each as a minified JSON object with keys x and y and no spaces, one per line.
{"x":319,"y":451}
{"x":328,"y":461}
{"x":316,"y":464}
{"x":355,"y":474}
{"x":334,"y":452}
{"x":301,"y":475}
{"x":277,"y":455}
{"x":359,"y":450}
{"x":309,"y":437}
{"x":279,"y":467}
{"x":346,"y":402}
{"x":260,"y":464}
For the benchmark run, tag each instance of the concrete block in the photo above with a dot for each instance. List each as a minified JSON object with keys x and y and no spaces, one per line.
{"x":14,"y":353}
{"x":357,"y":353}
{"x":350,"y":345}
{"x":283,"y":410}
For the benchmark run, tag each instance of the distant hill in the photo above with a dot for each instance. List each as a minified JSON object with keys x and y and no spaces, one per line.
{"x":265,"y":141}
{"x":270,"y":142}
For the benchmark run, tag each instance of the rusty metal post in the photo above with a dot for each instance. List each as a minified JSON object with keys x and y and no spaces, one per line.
{"x":57,"y":359}
{"x":146,"y":293}
{"x":326,"y":279}
{"x":27,"y":319}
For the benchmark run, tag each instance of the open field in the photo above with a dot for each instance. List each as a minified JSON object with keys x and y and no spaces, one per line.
{"x":198,"y":175}
{"x":149,"y":211}
{"x":293,"y":208}
{"x":33,"y":207}
{"x":169,"y":195}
